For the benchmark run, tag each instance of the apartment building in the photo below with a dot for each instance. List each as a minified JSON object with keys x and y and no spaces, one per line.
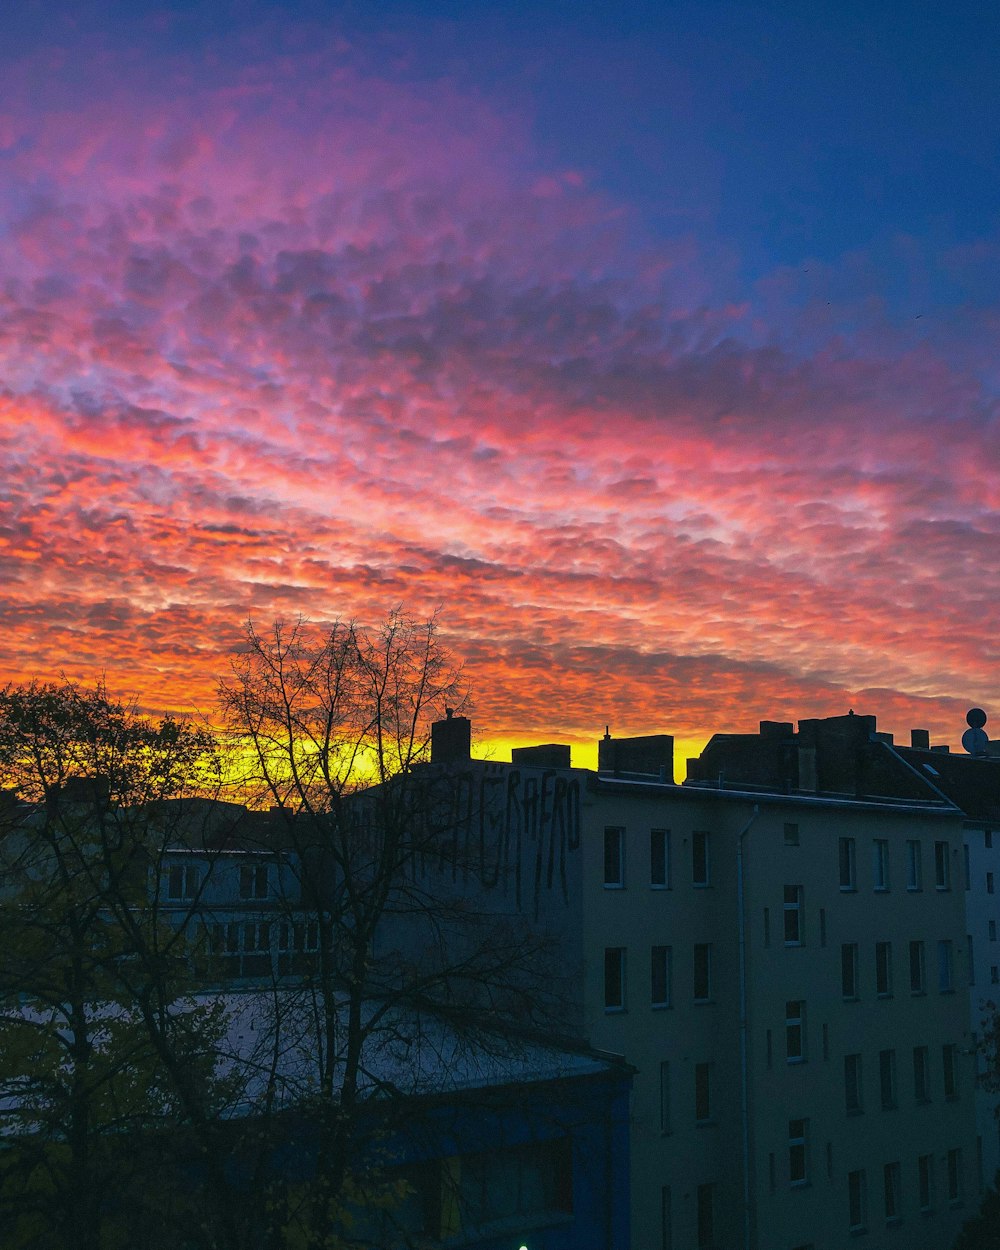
{"x":783,"y":965}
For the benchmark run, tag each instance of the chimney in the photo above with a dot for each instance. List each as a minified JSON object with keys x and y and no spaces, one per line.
{"x":920,"y":738}
{"x":451,"y":739}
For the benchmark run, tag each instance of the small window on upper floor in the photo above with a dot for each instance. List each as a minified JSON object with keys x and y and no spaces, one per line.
{"x":182,"y":882}
{"x":253,"y":881}
{"x":880,"y":864}
{"x":942,"y":866}
{"x":614,"y":858}
{"x":791,"y":834}
{"x":988,"y":839}
{"x":700,"y":865}
{"x":793,"y":915}
{"x":659,"y":859}
{"x":848,"y":865}
{"x":914,"y":866}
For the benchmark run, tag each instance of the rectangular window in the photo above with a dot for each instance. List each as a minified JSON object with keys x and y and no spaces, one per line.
{"x":883,"y":969}
{"x":848,"y":867}
{"x":700,"y":866}
{"x":791,"y":834}
{"x":955,"y":1176}
{"x":614,"y":858}
{"x":253,"y":881}
{"x":182,"y":882}
{"x":822,"y":926}
{"x":921,"y":1074}
{"x":660,"y":976}
{"x":666,"y":1219}
{"x":706,"y":1216}
{"x":702,"y":972}
{"x":702,"y":1092}
{"x":857,"y":1201}
{"x":942,"y":867}
{"x":925,"y":1182}
{"x":795,"y":1031}
{"x":797,"y":1160}
{"x":948,"y":1052}
{"x":887,"y":1078}
{"x":849,"y":970}
{"x":659,"y":859}
{"x":892,"y":1180}
{"x":994,"y":975}
{"x":993,"y":930}
{"x":770,"y":1053}
{"x":614,"y":978}
{"x":880,"y":863}
{"x":988,"y":839}
{"x":853,"y":1100}
{"x":665,"y":1096}
{"x":965,"y":859}
{"x":914,"y":866}
{"x":767,"y":926}
{"x":793,"y":915}
{"x":946,"y":980}
{"x":989,"y":883}
{"x":970,"y":958}
{"x":918,"y":975}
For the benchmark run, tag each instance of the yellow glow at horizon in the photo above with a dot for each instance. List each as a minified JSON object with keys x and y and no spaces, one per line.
{"x":583,"y":753}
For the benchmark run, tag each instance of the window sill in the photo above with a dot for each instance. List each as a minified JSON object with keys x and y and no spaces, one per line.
{"x":661,"y":1006}
{"x":655,"y":886}
{"x":614,"y":1011}
{"x":614,"y":885}
{"x":848,"y":889}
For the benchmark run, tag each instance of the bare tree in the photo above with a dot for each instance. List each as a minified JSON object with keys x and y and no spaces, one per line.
{"x":335,"y":727}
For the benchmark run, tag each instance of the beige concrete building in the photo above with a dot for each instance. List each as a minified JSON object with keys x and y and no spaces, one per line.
{"x":786,"y":971}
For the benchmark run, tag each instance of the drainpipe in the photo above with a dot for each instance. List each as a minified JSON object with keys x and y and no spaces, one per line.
{"x":744,"y":1073}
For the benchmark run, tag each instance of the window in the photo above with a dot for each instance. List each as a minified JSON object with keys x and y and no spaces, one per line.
{"x":702,"y":1092}
{"x":822,"y":926}
{"x":945,"y":966}
{"x":942,"y":874}
{"x":925,"y":1182}
{"x":706,"y":1221}
{"x":702,"y":972}
{"x":921,"y":1074}
{"x":988,"y":839}
{"x":699,"y":859}
{"x":948,"y":1052}
{"x":791,"y":834}
{"x":994,"y":975}
{"x":767,"y":926}
{"x":797,"y":1163}
{"x":970,"y":958}
{"x":614,"y":978}
{"x":665,"y":1096}
{"x":614,"y":858}
{"x":848,"y":869}
{"x":502,"y":1188}
{"x":659,"y":859}
{"x":880,"y":864}
{"x":857,"y":1201}
{"x":853,"y":1100}
{"x":256,"y":937}
{"x":253,"y":881}
{"x":769,"y":1048}
{"x":965,"y":860}
{"x":883,"y":969}
{"x":989,"y":883}
{"x":661,"y":959}
{"x":182,"y":882}
{"x":954,"y":1176}
{"x":887,"y":1078}
{"x":892,"y":1181}
{"x":666,"y":1219}
{"x":914,"y":866}
{"x":793,"y":915}
{"x":918,"y":978}
{"x":795,"y":1031}
{"x":849,"y":970}
{"x":993,"y":930}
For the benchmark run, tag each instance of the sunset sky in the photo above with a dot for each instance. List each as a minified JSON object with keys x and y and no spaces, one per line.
{"x":655,"y":345}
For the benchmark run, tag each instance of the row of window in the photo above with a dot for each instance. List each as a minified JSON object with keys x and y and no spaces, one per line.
{"x":881,"y":875}
{"x":705,"y":1216}
{"x":184,"y":881}
{"x":849,"y":968}
{"x":660,"y":866}
{"x":892,"y":1189}
{"x":661,"y":975}
{"x":888,"y":1088}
